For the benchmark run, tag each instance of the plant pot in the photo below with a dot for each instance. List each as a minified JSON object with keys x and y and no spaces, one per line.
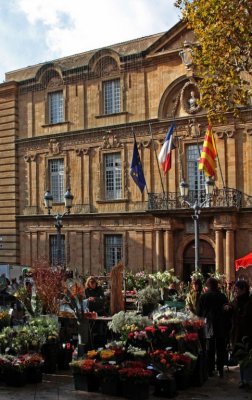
{"x":34,"y":374}
{"x":64,"y":358}
{"x":148,"y":308}
{"x":88,"y":382}
{"x":15,"y":378}
{"x":183,"y":379}
{"x":49,"y":351}
{"x":135,"y":391}
{"x":165,"y":386}
{"x":111,"y":386}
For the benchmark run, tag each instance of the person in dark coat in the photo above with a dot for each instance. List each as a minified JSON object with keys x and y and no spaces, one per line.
{"x":241,"y":321}
{"x":211,"y":307}
{"x":95,"y":295}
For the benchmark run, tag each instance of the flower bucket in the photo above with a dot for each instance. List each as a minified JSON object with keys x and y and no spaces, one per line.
{"x":165,"y":386}
{"x":148,"y":308}
{"x":34,"y":374}
{"x":111,"y":386}
{"x":15,"y":378}
{"x":88,"y":382}
{"x":49,"y":351}
{"x":135,"y":391}
{"x":183,"y":379}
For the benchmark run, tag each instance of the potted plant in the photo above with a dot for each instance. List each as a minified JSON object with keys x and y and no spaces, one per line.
{"x":135,"y":382}
{"x":148,"y":298}
{"x":125,"y":322}
{"x":109,"y":378}
{"x":165,"y":363}
{"x":84,"y":375}
{"x":33,"y":366}
{"x":13,"y":370}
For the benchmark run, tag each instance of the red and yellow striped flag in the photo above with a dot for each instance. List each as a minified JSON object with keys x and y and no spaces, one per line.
{"x":208,"y":154}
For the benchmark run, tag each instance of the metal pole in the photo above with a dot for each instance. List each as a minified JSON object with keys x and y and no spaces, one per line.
{"x":58,"y":226}
{"x":196,"y":236}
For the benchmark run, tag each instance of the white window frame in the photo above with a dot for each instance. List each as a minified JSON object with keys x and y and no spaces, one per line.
{"x":113,"y":176}
{"x":53,"y":249}
{"x":56,"y":177}
{"x":195,"y":177}
{"x":56,"y":107}
{"x":113,"y":247}
{"x":111,"y":96}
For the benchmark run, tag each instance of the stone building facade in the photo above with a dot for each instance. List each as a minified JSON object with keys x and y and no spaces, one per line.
{"x":69,"y":123}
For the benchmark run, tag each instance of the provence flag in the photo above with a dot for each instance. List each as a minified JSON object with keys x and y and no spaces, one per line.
{"x":136,"y":169}
{"x":208,"y":154}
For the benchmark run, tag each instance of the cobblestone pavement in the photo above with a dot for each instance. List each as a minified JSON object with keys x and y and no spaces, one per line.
{"x":60,"y":387}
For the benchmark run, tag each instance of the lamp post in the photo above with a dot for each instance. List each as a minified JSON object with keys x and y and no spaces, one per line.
{"x":48,"y":201}
{"x":196,"y":206}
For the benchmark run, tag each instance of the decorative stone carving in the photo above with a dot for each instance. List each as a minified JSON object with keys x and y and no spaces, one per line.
{"x":54,"y":147}
{"x":54,"y":83}
{"x":222,"y":133}
{"x":147,"y":144}
{"x":110,"y":142}
{"x":190,"y":97}
{"x":80,"y":152}
{"x":30,"y":157}
{"x":194,"y":128}
{"x":186,"y":55}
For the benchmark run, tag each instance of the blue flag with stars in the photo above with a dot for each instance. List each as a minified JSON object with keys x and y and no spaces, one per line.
{"x":136,"y":169}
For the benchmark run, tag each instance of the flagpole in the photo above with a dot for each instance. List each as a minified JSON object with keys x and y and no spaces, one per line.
{"x":132,"y":130}
{"x":154,"y":148}
{"x":222,"y":179}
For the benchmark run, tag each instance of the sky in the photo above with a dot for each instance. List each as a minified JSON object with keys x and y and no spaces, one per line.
{"x":36,"y":31}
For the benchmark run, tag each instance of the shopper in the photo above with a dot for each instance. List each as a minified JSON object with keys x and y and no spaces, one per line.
{"x":211,"y":307}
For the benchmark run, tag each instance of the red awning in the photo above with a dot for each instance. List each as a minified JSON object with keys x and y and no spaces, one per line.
{"x":243,"y":262}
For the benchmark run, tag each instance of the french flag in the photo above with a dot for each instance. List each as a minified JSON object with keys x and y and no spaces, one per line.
{"x":165,"y":154}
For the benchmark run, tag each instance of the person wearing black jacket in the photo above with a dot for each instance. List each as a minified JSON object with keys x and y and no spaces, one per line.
{"x":211,"y":307}
{"x":95,"y":296}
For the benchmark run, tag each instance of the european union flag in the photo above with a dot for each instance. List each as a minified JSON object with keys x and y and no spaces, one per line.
{"x":136,"y":169}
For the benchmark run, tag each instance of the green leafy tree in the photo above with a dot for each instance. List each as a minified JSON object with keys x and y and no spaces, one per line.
{"x":223,"y":54}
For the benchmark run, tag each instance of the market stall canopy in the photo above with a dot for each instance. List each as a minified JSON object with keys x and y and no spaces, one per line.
{"x":243,"y":262}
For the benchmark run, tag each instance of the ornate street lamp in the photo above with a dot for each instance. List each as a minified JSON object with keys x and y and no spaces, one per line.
{"x":48,"y":201}
{"x":196,"y":206}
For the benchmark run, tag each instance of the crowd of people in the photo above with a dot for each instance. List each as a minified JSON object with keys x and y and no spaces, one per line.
{"x":227,"y":322}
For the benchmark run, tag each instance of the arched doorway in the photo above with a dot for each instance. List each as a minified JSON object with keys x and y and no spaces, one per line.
{"x":206,"y":259}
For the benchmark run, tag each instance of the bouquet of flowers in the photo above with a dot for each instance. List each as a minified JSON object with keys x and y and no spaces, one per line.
{"x":83,"y":367}
{"x":125,"y":322}
{"x":189,"y":342}
{"x":135,"y":375}
{"x":106,"y":371}
{"x":164,"y":361}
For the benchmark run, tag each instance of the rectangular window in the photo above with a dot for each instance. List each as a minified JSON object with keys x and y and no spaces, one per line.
{"x":112,"y":96}
{"x":113,"y":251}
{"x":56,"y":172}
{"x":56,"y":107}
{"x":113,"y":176}
{"x":57,"y":249}
{"x":195,"y":177}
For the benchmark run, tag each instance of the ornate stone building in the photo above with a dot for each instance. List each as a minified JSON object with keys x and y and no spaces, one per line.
{"x":69,"y":123}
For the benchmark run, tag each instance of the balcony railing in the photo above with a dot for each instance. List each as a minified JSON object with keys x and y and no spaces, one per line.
{"x":221,"y":198}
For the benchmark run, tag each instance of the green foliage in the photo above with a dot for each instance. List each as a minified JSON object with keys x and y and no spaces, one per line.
{"x":149,"y":295}
{"x":244,"y":352}
{"x":136,"y":280}
{"x":223,"y":53}
{"x":30,"y":336}
{"x":164,"y":279}
{"x":124,"y":319}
